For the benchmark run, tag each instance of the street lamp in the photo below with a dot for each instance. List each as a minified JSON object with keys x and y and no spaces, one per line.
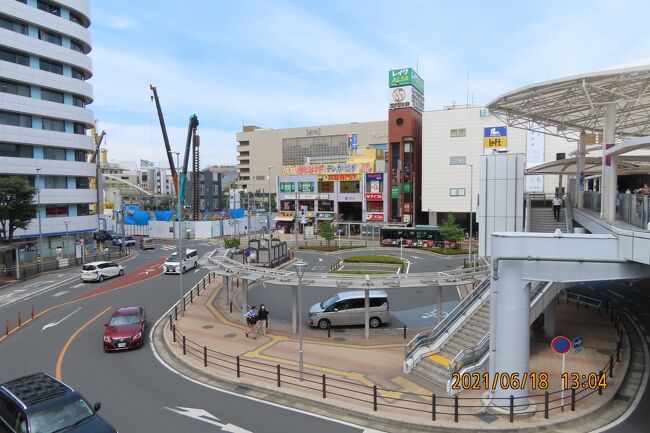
{"x":269,"y":215}
{"x":300,"y":271}
{"x":38,"y":212}
{"x":401,"y":242}
{"x":67,"y":223}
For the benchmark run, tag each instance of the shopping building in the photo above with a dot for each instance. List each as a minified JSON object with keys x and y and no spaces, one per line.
{"x":44,"y":93}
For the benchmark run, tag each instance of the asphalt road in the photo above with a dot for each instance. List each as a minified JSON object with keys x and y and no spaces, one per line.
{"x":137,"y":392}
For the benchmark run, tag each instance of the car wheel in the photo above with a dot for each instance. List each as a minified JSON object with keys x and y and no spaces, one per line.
{"x":121,"y":272}
{"x":183,"y":270}
{"x":324,"y":324}
{"x":195,"y":263}
{"x":101,"y":278}
{"x":375,"y":322}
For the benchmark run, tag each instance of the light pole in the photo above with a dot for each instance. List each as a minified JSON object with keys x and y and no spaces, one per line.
{"x":471,"y":194}
{"x":401,"y":241}
{"x":300,"y":271}
{"x":269,"y":214}
{"x":181,"y":255}
{"x":67,"y":223}
{"x":38,"y":212}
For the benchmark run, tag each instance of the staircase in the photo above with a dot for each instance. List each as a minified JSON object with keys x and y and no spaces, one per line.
{"x":542,"y":221}
{"x":435,"y":368}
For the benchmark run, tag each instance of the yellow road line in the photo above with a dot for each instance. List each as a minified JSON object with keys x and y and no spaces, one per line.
{"x":59,"y":360}
{"x":439,"y":359}
{"x":408,"y":386}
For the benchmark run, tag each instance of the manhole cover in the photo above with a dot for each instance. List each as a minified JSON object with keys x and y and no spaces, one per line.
{"x":487,"y":417}
{"x":230,"y":335}
{"x":242,"y":390}
{"x":338,"y":339}
{"x":208,"y":326}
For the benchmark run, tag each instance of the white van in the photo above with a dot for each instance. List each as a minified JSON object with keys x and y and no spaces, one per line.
{"x":174,"y":266}
{"x":348,"y":308}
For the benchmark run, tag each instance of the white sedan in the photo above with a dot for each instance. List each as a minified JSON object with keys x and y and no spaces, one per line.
{"x":99,"y":271}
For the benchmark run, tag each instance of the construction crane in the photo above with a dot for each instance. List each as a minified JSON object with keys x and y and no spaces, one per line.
{"x":191,"y":142}
{"x":165,"y":139}
{"x":98,"y":142}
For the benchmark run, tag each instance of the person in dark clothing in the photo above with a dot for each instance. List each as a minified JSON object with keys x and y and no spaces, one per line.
{"x":263,"y":320}
{"x":251,"y":321}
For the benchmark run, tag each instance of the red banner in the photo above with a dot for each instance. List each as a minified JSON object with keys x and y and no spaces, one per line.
{"x":374,"y":217}
{"x":375,"y":197}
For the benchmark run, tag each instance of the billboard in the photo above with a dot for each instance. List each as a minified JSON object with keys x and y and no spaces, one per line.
{"x":374,"y":196}
{"x":495,"y":137}
{"x":406,"y":97}
{"x":352,"y":141}
{"x":534,"y":156}
{"x":328,"y":169}
{"x":405,"y":77}
{"x":374,"y":217}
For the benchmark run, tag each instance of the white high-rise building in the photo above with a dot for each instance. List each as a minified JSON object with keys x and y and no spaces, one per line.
{"x":44,"y":122}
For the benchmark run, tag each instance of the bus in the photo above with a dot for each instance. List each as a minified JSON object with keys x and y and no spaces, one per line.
{"x":419,"y":236}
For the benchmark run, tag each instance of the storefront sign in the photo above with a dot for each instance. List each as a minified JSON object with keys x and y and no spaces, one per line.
{"x":350,"y":197}
{"x":495,"y":137}
{"x":288,"y":197}
{"x":407,"y":218}
{"x":352,"y":141}
{"x":406,"y":97}
{"x":340,"y":168}
{"x":374,"y":176}
{"x":375,"y":197}
{"x":341,"y":177}
{"x":407,"y":187}
{"x":307,"y":196}
{"x":405,"y":77}
{"x":374,"y":217}
{"x":323,"y":196}
{"x":375,"y":186}
{"x":324,"y":216}
{"x":394,"y":191}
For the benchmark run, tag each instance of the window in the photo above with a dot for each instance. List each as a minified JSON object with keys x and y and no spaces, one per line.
{"x":326,"y":205}
{"x":80,"y":155}
{"x":52,"y":124}
{"x":49,"y":7}
{"x":457,"y":192}
{"x":55,"y":68}
{"x":457,"y":160}
{"x":9,"y":411}
{"x":77,"y":74}
{"x":52,"y":38}
{"x":15,"y":119}
{"x":78,"y":128}
{"x":15,"y":88}
{"x":287,"y":187}
{"x":314,"y":150}
{"x":16,"y":150}
{"x":76,"y":46}
{"x":306,"y":186}
{"x":82,"y":182}
{"x":60,"y":182}
{"x":54,"y":153}
{"x":349,"y":187}
{"x":461,"y":132}
{"x":14,"y":26}
{"x":56,"y":210}
{"x":326,"y":187}
{"x":83,"y":209}
{"x":75,"y":18}
{"x":49,"y":95}
{"x":14,"y":57}
{"x":260,"y":177}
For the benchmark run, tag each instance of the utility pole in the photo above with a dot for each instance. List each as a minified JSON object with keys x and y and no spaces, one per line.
{"x":40,"y":228}
{"x":269,"y":214}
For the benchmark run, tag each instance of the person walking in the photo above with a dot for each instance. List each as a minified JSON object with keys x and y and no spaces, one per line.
{"x":251,"y":321}
{"x":557,"y":205}
{"x":262,"y":320}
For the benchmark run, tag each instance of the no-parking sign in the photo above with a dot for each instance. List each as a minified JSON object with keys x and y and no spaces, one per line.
{"x":561,"y":345}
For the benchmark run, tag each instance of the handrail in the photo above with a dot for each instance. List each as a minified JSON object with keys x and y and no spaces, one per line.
{"x":568,"y":213}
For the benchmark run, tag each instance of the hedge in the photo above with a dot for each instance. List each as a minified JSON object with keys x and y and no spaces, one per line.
{"x":374,"y":259}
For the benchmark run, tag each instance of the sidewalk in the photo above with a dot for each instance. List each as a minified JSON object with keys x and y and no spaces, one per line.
{"x":340,"y":376}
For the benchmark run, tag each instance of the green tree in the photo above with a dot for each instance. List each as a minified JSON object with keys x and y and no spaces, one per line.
{"x":327,"y":231}
{"x":17,"y":206}
{"x":231,"y":243}
{"x":450,"y":231}
{"x":166,"y":203}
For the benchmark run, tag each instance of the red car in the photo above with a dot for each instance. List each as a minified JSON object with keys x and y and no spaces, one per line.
{"x":126,"y":329}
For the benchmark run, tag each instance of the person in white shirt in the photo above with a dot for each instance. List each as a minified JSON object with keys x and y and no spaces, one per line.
{"x":557,"y":205}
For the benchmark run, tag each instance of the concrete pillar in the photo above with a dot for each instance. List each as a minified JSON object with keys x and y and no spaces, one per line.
{"x":608,"y":181}
{"x":580,"y":170}
{"x":366,"y":312}
{"x":509,"y":326}
{"x":246,"y":302}
{"x":433,"y":218}
{"x":439,"y":303}
{"x":549,"y":320}
{"x":294,"y":309}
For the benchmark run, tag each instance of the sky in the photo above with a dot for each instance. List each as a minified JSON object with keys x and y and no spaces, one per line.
{"x":282,"y":64}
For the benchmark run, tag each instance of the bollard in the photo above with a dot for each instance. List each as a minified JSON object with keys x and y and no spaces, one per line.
{"x":184,"y":304}
{"x":238,"y":367}
{"x":32,"y":311}
{"x":205,"y":356}
{"x":174,"y":333}
{"x":19,"y":320}
{"x":573,"y":399}
{"x":184,"y":347}
{"x":278,"y":368}
{"x":328,"y":332}
{"x":175,"y":311}
{"x":374,"y":398}
{"x":600,"y":388}
{"x":546,"y":405}
{"x":456,"y":408}
{"x":618,"y":351}
{"x":405,"y":332}
{"x":170,"y":322}
{"x":231,"y":307}
{"x":191,"y":297}
{"x":611,"y":365}
{"x":512,"y":408}
{"x":209,"y":274}
{"x":324,"y":388}
{"x":7,"y":328}
{"x":433,"y":407}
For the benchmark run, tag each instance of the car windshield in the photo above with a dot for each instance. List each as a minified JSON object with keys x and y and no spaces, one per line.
{"x":60,"y":418}
{"x":89,"y":267}
{"x":331,"y":301}
{"x":124,"y":320}
{"x":173,"y":258}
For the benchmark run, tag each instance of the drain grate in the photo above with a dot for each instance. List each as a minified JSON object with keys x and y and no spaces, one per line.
{"x":230,"y":335}
{"x":486,"y":417}
{"x":208,"y":326}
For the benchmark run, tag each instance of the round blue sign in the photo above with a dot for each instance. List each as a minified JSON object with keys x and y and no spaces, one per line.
{"x":561,"y":344}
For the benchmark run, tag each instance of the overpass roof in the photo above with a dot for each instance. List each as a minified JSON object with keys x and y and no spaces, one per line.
{"x":566,"y":106}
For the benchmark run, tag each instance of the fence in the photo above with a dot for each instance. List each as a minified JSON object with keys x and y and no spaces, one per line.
{"x":396,"y":401}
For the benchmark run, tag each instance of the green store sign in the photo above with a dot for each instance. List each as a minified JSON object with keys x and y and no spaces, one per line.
{"x":405,"y":77}
{"x":407,"y":187}
{"x":394,"y":191}
{"x":324,"y":216}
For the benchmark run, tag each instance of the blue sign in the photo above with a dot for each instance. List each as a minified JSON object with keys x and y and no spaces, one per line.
{"x":374,"y":176}
{"x":352,"y":141}
{"x":577,"y":344}
{"x":495,"y":131}
{"x":561,"y":345}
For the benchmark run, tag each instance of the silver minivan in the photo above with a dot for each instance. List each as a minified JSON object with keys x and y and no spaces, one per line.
{"x":347,"y":308}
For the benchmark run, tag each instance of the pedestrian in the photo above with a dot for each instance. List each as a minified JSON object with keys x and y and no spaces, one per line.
{"x":557,"y":205}
{"x":59,"y":252}
{"x":251,"y":321}
{"x":263,"y":320}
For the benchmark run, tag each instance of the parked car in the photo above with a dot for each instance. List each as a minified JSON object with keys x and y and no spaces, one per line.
{"x":173,"y":264}
{"x":128,"y":241}
{"x":125,"y":329}
{"x":146,"y":243}
{"x":103,"y":235}
{"x":99,"y":271}
{"x":40,"y":403}
{"x":348,"y":308}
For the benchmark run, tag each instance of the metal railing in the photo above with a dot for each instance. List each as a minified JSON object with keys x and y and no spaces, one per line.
{"x":633,"y":209}
{"x":578,"y":299}
{"x":396,"y":402}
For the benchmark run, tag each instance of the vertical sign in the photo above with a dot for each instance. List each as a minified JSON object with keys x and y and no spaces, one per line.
{"x":495,"y":138}
{"x":352,"y":141}
{"x":534,"y":156}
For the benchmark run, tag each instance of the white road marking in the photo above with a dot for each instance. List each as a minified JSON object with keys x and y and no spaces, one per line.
{"x":76,"y":286}
{"x":49,"y":325}
{"x":205,"y":416}
{"x":37,"y":292}
{"x":59,"y":275}
{"x":408,"y":266}
{"x":38,"y":283}
{"x":62,"y":292}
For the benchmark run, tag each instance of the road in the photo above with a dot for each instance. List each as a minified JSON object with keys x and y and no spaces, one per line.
{"x":137,"y":392}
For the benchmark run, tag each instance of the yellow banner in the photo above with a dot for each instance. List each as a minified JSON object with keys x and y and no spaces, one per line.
{"x":495,"y":142}
{"x":327,"y":169}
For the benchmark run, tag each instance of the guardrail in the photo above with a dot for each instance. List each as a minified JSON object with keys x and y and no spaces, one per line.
{"x":393,"y":401}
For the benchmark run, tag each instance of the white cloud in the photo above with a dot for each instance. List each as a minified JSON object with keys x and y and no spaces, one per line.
{"x":122,"y":22}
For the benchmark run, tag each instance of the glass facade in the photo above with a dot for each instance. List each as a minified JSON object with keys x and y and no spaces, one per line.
{"x":314,"y":150}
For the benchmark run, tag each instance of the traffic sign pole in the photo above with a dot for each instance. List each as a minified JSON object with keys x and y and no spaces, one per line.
{"x":563,"y":371}
{"x":561,"y":345}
